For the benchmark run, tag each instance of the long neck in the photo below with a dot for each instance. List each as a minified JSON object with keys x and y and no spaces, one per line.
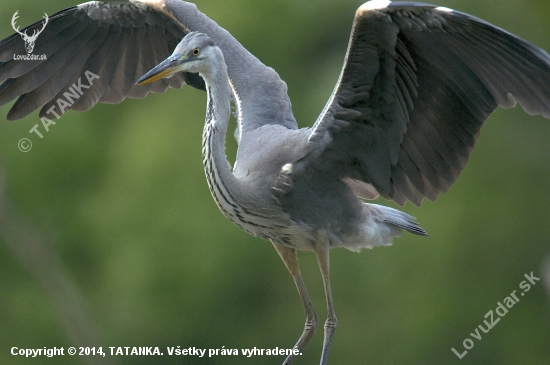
{"x":221,"y":181}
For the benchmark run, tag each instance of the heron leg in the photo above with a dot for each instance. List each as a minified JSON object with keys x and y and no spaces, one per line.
{"x":290,"y":258}
{"x":321,"y":249}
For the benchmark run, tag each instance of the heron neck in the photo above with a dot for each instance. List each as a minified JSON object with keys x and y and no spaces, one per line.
{"x":221,"y":180}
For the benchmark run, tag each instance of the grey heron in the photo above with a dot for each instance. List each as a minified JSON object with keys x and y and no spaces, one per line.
{"x":417,"y":84}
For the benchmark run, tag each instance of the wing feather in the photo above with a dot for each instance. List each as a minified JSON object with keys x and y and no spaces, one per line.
{"x":149,"y":32}
{"x":418,"y":82}
{"x":112,"y":63}
{"x":54,"y":87}
{"x":118,"y":41}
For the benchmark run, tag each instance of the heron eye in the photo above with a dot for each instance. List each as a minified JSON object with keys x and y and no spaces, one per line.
{"x":196,"y":52}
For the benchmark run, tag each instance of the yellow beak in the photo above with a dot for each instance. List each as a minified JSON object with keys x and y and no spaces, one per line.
{"x":163,"y":70}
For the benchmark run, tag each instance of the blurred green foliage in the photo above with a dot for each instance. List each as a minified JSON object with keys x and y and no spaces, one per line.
{"x":120,"y":195}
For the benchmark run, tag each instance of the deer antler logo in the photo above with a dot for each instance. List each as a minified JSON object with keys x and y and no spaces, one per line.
{"x":29,"y":40}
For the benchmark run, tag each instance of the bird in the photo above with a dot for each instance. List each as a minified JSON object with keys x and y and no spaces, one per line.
{"x":417,"y":83}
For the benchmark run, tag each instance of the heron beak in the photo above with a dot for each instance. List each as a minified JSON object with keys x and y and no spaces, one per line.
{"x":163,"y":70}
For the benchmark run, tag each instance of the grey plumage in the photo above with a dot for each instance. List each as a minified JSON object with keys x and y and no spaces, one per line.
{"x":418,"y":82}
{"x":416,"y":109}
{"x":118,"y":41}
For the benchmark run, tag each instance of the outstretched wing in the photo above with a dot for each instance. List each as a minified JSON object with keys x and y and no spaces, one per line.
{"x":118,"y":42}
{"x":417,"y":84}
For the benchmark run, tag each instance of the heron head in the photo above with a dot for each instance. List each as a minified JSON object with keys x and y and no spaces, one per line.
{"x":189,"y":56}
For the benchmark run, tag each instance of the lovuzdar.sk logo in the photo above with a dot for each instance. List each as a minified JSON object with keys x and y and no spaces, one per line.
{"x":29,"y":39}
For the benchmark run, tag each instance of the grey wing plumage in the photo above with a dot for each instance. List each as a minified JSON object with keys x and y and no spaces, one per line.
{"x":417,"y":85}
{"x":117,"y":41}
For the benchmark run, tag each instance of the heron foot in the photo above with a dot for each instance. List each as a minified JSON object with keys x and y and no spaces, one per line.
{"x":312,"y":322}
{"x":330,"y":328}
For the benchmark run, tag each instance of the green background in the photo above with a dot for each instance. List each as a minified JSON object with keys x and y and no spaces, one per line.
{"x":112,"y":237}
